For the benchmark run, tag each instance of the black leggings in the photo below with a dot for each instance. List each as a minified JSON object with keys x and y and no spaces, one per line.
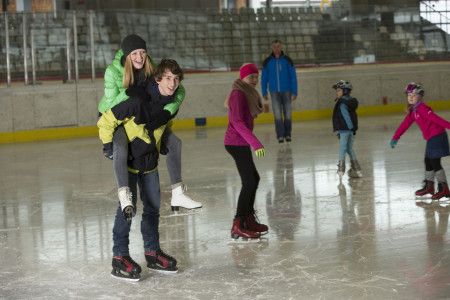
{"x":433,"y":164}
{"x":242,"y":155}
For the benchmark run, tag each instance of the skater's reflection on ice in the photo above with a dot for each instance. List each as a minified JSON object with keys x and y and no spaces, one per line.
{"x":283,"y":203}
{"x":245,"y":254}
{"x":433,"y":284}
{"x":356,"y":238}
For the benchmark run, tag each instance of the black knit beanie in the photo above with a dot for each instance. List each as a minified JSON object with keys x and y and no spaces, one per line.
{"x":131,"y":43}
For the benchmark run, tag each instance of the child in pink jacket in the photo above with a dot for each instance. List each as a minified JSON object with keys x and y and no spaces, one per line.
{"x":244,"y":104}
{"x":433,"y":131}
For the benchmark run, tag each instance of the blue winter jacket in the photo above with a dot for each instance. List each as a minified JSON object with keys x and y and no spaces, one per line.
{"x":280,"y":74}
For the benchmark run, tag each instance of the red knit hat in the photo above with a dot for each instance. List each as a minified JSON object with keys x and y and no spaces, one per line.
{"x":247,"y":69}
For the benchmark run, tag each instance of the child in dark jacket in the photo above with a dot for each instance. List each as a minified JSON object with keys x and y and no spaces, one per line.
{"x":345,"y":125}
{"x":433,"y":131}
{"x":244,"y":104}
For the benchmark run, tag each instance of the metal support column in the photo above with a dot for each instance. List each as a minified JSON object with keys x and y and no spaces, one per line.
{"x":8,"y":62}
{"x":75,"y":45}
{"x":69,"y":72}
{"x":25,"y":48}
{"x":91,"y":32}
{"x":33,"y":60}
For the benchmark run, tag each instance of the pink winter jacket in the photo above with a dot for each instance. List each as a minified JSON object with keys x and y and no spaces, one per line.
{"x":429,"y":123}
{"x":240,"y":123}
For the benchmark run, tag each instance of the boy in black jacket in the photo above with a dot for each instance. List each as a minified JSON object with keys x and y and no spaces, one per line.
{"x":345,"y":125}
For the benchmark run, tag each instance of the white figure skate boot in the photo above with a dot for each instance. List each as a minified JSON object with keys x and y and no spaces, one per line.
{"x":126,"y":203}
{"x":180,"y":199}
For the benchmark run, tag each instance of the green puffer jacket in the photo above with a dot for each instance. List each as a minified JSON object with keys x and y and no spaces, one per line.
{"x":114,"y":92}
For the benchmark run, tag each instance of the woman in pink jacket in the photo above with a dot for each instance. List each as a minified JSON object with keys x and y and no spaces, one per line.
{"x":244,"y":104}
{"x":433,"y":130}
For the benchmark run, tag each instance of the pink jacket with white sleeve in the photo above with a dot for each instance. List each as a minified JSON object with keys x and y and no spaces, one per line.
{"x":429,"y":123}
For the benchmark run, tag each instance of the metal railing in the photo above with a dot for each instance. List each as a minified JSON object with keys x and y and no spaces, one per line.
{"x":70,"y":44}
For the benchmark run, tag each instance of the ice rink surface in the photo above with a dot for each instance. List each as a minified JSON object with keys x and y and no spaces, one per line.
{"x":364,"y":239}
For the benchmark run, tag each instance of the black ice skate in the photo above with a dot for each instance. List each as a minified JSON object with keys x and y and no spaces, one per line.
{"x":125,"y":268}
{"x":161,"y":262}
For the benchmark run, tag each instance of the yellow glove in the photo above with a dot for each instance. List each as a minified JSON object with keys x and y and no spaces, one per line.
{"x":260,"y":152}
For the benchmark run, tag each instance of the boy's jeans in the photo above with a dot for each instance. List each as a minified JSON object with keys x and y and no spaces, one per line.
{"x":282,"y":111}
{"x":346,"y":140}
{"x":150,"y":195}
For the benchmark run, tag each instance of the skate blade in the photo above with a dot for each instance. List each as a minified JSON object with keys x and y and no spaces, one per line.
{"x":125,"y":277}
{"x":183,"y":212}
{"x":425,"y":199}
{"x":444,"y":203}
{"x":240,"y":240}
{"x":163,"y":271}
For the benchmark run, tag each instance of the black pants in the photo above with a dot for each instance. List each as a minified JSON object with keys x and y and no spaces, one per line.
{"x":242,"y":155}
{"x":433,"y":164}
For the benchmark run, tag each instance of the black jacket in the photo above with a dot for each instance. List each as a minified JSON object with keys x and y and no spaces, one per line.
{"x":338,"y":119}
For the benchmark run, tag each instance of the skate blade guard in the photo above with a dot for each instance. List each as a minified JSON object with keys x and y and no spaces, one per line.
{"x":125,"y":276}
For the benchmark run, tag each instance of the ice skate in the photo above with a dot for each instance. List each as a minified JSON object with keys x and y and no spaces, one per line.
{"x":126,"y":203}
{"x":125,"y":268}
{"x":180,"y":199}
{"x":341,"y":168}
{"x":428,"y":188}
{"x":443,"y":191}
{"x":355,"y":169}
{"x":161,"y":262}
{"x":254,"y":225}
{"x":240,"y":232}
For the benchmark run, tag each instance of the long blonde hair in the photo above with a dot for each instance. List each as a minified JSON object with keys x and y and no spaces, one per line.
{"x":128,"y":77}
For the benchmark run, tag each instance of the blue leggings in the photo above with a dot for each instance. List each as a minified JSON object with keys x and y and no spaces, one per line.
{"x":346,"y":139}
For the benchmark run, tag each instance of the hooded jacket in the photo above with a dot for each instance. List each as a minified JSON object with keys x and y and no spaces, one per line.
{"x":344,"y":114}
{"x":114,"y":92}
{"x":279,"y":74}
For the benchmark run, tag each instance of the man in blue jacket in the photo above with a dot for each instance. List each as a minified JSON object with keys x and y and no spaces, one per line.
{"x":279,"y":74}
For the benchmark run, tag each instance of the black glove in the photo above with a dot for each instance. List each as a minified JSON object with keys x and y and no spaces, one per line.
{"x":137,"y":92}
{"x":158,"y":119}
{"x":354,"y":132}
{"x":108,"y":150}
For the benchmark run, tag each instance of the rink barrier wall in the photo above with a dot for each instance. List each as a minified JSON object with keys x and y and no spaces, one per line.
{"x":220,"y":121}
{"x":54,"y":110}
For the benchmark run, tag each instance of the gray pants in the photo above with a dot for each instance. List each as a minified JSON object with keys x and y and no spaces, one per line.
{"x":120,"y":152}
